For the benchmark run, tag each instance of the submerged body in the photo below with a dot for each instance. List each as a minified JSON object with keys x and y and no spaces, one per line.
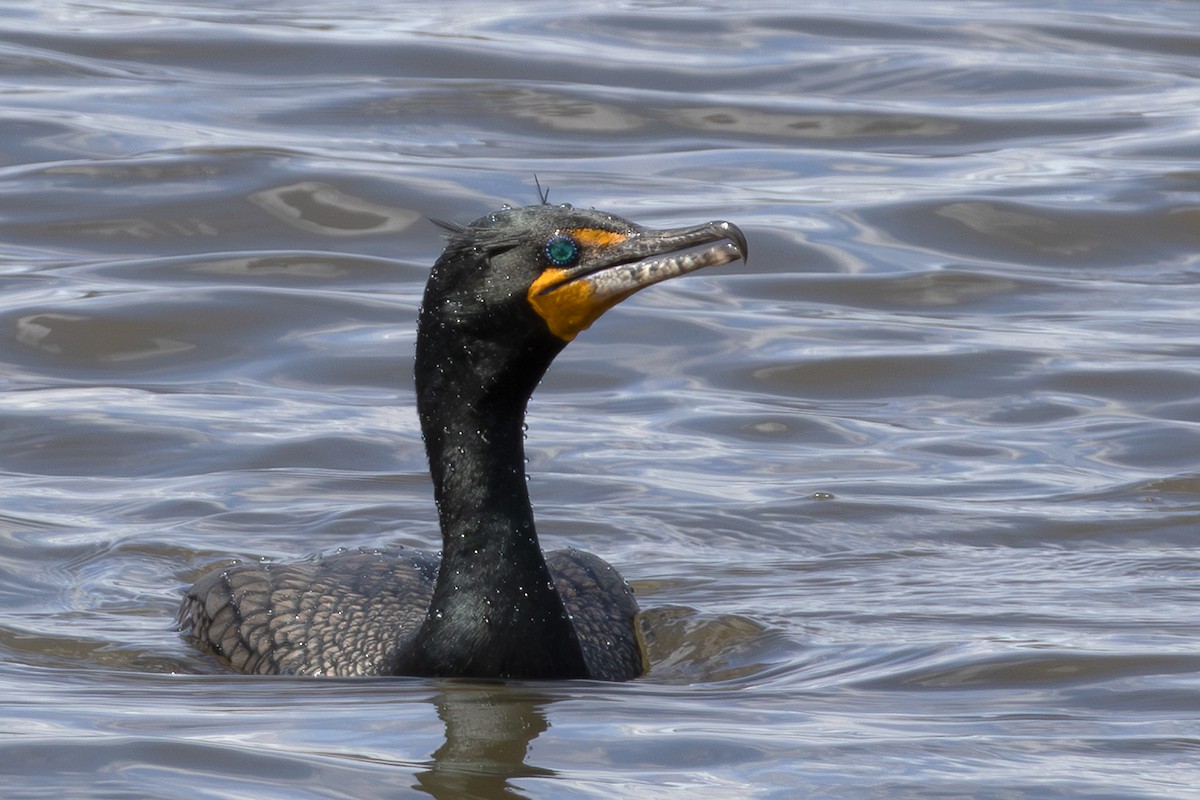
{"x":354,"y":613}
{"x":509,"y":292}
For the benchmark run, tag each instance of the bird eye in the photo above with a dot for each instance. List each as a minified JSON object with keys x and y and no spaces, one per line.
{"x":562,"y":250}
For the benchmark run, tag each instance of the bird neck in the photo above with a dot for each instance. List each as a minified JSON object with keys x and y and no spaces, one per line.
{"x":473,"y":426}
{"x":494,"y":611}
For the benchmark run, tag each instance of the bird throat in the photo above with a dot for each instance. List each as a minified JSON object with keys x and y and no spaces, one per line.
{"x":570,"y":308}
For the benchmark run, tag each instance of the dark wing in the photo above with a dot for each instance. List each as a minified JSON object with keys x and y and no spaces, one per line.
{"x":347,"y":614}
{"x":602,"y":608}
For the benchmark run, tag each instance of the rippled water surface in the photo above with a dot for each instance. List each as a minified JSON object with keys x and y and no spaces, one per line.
{"x":912,"y":498}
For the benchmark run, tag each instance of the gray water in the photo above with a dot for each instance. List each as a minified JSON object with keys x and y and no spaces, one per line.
{"x":912,"y":498}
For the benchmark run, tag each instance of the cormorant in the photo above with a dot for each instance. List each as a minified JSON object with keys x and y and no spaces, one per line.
{"x":508,"y":293}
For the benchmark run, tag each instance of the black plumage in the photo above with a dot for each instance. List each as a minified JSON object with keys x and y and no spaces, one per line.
{"x":509,"y":292}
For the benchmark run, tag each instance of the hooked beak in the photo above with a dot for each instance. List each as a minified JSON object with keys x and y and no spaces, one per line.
{"x":570,"y":299}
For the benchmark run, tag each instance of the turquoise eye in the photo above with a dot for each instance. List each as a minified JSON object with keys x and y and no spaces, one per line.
{"x":562,"y":250}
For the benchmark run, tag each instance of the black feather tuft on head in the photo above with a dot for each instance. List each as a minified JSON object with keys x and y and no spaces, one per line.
{"x":453,"y":227}
{"x":543,"y":194}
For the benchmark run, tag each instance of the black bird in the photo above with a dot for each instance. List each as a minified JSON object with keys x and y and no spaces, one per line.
{"x":509,"y":292}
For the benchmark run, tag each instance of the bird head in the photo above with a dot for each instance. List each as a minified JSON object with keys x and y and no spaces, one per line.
{"x":547,"y":272}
